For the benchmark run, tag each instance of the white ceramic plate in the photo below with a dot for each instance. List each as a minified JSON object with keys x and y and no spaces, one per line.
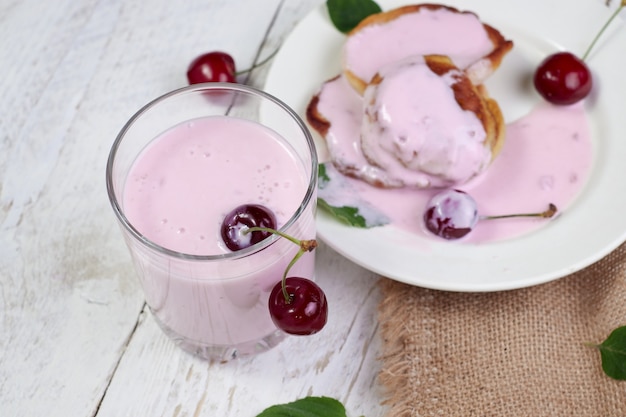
{"x":594,"y":225}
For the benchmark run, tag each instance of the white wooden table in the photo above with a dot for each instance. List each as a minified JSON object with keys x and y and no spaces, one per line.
{"x":76,"y":338}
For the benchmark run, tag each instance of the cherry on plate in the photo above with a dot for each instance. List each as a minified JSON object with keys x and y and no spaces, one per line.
{"x":563,"y":78}
{"x":451,"y":214}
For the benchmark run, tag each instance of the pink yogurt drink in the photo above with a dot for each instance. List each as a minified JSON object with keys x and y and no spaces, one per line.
{"x":172,"y":191}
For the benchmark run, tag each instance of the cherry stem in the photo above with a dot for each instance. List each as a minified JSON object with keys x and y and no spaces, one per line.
{"x":606,"y":25}
{"x":255,"y":66}
{"x":549,"y":212}
{"x":307,"y":245}
{"x":284,"y":279}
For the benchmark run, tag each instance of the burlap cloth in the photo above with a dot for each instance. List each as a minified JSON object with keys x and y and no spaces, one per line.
{"x":512,"y":353}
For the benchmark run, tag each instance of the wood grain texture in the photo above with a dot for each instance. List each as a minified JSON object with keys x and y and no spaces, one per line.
{"x":75,"y":336}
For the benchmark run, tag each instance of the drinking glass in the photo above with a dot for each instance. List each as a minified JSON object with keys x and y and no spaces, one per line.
{"x":215,"y":305}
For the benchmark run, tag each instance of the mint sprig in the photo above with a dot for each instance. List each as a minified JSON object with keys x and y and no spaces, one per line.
{"x":345,"y":214}
{"x":613,"y":354}
{"x":347,"y":14}
{"x":307,"y":407}
{"x":322,"y":175}
{"x":332,"y":187}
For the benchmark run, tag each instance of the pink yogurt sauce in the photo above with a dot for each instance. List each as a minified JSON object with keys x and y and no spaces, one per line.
{"x":546,"y":158}
{"x":176,"y":194}
{"x":420,"y":135}
{"x":377,"y":45}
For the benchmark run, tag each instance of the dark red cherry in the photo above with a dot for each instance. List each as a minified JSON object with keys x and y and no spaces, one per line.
{"x":212,"y":67}
{"x":240,"y":219}
{"x":563,"y":78}
{"x":451,"y":214}
{"x":306,"y":310}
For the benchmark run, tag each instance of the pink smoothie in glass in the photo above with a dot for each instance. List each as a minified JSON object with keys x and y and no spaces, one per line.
{"x":177,"y":193}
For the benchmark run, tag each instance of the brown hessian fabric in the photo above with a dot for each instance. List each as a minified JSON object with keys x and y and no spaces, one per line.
{"x":512,"y":353}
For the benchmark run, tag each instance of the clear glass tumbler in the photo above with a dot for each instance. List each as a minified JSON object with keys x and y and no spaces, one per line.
{"x":214,"y":305}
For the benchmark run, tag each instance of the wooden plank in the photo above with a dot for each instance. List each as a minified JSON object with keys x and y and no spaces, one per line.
{"x":67,"y":305}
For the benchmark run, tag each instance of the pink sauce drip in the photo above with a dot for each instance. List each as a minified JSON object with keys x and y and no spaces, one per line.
{"x":378,"y":45}
{"x":415,"y":129}
{"x":546,"y":158}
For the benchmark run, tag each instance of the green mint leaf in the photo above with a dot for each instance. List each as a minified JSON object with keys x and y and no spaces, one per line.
{"x":346,"y":14}
{"x":307,"y":407}
{"x":345,"y":214}
{"x":322,"y":176}
{"x":613,"y":354}
{"x":338,"y":198}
